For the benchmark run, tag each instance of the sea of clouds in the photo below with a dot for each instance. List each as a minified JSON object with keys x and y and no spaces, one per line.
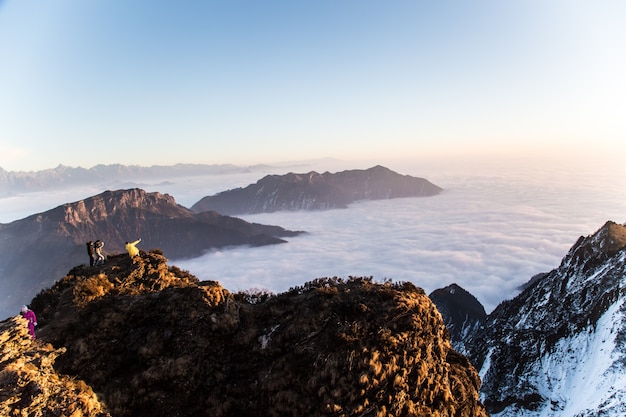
{"x":490,"y":230}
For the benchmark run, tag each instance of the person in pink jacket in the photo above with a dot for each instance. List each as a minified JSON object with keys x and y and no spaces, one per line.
{"x":32,"y":320}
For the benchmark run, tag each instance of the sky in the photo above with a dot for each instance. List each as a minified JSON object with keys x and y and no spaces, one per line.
{"x":160,"y":82}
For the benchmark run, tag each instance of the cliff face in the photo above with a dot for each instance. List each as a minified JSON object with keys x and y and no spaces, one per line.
{"x":314,"y":191}
{"x":153,"y":341}
{"x":559,"y":348}
{"x":40,"y":248}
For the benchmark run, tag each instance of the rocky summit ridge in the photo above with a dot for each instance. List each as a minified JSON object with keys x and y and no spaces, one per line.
{"x":151,"y":340}
{"x":315,"y":191}
{"x":462,"y":313}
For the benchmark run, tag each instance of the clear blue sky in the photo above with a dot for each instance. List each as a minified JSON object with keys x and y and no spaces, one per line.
{"x":161,"y":82}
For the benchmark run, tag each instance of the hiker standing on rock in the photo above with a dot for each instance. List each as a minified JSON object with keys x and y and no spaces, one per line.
{"x":91,"y":253}
{"x":132,"y":249}
{"x":32,"y":320}
{"x":98,"y":245}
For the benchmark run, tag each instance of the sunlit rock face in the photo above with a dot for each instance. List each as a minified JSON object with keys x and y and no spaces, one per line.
{"x":29,"y":384}
{"x":559,"y":348}
{"x":152,"y":340}
{"x":314,"y":191}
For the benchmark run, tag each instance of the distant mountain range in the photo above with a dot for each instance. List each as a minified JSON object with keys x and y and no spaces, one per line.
{"x":558,"y":349}
{"x":64,"y":176}
{"x":41,"y":247}
{"x":314,"y":191}
{"x":38,"y":249}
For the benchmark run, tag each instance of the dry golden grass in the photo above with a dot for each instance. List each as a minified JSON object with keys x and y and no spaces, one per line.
{"x":91,"y":288}
{"x":29,"y":384}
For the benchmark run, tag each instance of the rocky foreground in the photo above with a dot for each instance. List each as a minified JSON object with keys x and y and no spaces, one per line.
{"x":29,"y":384}
{"x":151,"y":340}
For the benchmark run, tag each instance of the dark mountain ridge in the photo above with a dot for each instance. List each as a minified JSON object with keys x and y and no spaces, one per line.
{"x":462,"y":313}
{"x":40,"y":247}
{"x":314,"y":191}
{"x":152,"y":340}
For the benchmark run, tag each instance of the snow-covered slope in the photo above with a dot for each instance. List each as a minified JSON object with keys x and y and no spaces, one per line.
{"x":584,"y":374}
{"x":559,"y":348}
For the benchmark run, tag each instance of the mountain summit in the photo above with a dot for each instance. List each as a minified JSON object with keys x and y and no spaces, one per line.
{"x":43,"y":246}
{"x":153,"y":341}
{"x":314,"y":191}
{"x":461,"y":311}
{"x":559,"y":348}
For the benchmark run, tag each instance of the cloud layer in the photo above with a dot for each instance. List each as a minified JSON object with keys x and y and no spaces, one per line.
{"x":491,"y":230}
{"x":489,"y":234}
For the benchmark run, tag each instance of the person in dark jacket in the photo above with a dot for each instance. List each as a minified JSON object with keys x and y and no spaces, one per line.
{"x":91,"y":253}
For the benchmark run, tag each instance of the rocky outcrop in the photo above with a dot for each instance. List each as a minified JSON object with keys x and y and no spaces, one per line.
{"x":314,"y":191}
{"x":559,"y":348}
{"x":29,"y":384}
{"x":38,"y":249}
{"x":462,"y":313}
{"x":154,"y":341}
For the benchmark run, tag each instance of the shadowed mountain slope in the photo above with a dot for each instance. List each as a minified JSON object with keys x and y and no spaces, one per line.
{"x":313,"y":191}
{"x":38,"y":249}
{"x":153,"y":341}
{"x":462,"y":313}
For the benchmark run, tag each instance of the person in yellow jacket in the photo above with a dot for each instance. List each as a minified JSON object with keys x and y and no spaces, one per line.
{"x":132,"y":249}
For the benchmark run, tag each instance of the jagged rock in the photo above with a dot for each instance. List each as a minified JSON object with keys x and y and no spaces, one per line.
{"x":314,"y":191}
{"x":29,"y":384}
{"x":559,"y":348}
{"x":462,"y":313}
{"x":153,"y":341}
{"x":38,"y":249}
